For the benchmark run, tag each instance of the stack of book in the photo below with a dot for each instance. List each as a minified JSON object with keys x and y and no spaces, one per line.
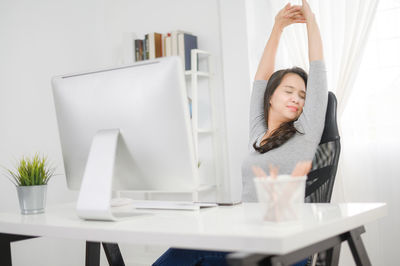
{"x":178,"y":43}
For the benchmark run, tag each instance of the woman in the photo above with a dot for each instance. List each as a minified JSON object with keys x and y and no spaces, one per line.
{"x":282,"y":132}
{"x":287,"y":110}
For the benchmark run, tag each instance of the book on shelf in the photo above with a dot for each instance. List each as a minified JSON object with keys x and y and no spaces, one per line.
{"x":138,"y":50}
{"x":163,"y":39}
{"x":186,"y":42}
{"x":153,"y":45}
{"x":174,"y":40}
{"x":175,"y":43}
{"x":145,"y":47}
{"x":167,"y":45}
{"x":157,"y":44}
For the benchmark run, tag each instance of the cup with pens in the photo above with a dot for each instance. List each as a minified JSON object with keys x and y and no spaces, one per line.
{"x":282,"y":195}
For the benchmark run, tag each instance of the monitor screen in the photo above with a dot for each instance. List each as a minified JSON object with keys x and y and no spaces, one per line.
{"x":147,"y":103}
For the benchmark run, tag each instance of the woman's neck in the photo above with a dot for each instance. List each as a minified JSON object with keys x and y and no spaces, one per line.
{"x":273,"y":124}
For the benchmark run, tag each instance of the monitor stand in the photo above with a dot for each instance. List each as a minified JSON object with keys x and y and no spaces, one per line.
{"x":94,"y":202}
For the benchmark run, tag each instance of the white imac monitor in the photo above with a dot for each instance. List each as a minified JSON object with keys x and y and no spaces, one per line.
{"x":125,"y":128}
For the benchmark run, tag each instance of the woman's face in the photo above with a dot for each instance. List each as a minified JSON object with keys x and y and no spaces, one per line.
{"x":287,"y":101}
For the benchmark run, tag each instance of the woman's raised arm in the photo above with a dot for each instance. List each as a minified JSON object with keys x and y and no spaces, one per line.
{"x":315,"y":50}
{"x":286,"y":16}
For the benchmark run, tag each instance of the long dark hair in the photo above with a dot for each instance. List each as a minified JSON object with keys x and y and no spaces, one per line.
{"x":286,"y":130}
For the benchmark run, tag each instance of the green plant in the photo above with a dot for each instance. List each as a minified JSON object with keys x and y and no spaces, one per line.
{"x":31,"y":172}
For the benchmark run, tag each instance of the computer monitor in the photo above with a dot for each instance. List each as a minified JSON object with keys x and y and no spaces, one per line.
{"x":125,"y":128}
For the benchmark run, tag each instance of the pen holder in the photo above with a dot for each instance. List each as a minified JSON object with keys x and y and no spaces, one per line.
{"x":281,"y":196}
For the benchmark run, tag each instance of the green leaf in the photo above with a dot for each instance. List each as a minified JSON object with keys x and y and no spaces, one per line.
{"x":31,"y":171}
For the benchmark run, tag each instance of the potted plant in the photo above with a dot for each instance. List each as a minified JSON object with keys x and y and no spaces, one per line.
{"x":31,"y":177}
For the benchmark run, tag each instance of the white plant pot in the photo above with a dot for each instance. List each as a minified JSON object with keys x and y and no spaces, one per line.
{"x":32,"y":199}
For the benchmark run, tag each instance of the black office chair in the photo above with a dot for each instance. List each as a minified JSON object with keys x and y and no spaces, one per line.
{"x":320,"y":180}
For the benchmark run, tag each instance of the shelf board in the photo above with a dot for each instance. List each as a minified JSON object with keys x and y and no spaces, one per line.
{"x":204,"y":131}
{"x":198,"y":51}
{"x":206,"y":187}
{"x":198,"y":73}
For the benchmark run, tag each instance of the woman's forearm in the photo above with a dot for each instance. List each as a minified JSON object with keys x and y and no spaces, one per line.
{"x":266,"y":66}
{"x":315,"y":50}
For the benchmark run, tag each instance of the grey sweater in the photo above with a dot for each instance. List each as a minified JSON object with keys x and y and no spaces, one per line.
{"x":298,"y":148}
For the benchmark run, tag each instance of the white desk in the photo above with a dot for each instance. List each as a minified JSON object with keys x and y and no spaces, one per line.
{"x":226,"y":228}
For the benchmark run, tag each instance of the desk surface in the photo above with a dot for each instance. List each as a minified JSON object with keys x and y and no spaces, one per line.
{"x":230,"y":228}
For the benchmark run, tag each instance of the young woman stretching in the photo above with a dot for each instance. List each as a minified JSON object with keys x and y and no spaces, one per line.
{"x":287,"y":114}
{"x":287,"y":109}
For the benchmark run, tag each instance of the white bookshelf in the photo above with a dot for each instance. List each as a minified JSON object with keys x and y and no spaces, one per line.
{"x":193,"y":77}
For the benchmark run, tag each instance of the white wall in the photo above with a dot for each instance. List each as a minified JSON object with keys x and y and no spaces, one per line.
{"x":40,"y":39}
{"x":236,"y":83}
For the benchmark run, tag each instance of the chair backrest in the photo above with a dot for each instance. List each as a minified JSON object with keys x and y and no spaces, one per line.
{"x":320,"y":180}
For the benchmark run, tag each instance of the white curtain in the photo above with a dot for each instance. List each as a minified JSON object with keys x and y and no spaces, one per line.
{"x":370,"y":130}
